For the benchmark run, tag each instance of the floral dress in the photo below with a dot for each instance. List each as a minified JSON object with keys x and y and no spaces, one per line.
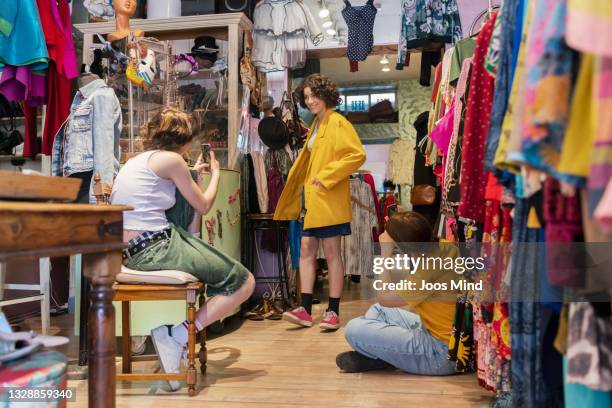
{"x":426,"y":21}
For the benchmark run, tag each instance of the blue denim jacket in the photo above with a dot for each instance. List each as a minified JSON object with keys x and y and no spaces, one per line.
{"x":89,"y":139}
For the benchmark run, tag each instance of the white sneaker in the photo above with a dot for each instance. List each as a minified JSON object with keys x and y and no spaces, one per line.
{"x":169,"y":352}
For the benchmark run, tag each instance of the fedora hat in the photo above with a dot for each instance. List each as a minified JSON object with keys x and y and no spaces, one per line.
{"x":273,"y":132}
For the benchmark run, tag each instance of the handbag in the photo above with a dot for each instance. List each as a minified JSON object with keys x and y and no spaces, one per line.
{"x":10,"y":137}
{"x":423,"y":194}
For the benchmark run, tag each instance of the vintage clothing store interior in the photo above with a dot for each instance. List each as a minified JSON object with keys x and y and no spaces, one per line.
{"x":488,"y":119}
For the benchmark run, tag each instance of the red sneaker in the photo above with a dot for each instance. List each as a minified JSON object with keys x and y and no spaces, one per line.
{"x":330,"y":321}
{"x":298,"y":316}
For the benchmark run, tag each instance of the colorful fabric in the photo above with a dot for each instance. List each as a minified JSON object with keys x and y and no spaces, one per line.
{"x":510,"y":137}
{"x":575,"y":155}
{"x":589,"y":349}
{"x":548,"y":88}
{"x":601,"y":153}
{"x":563,"y":219}
{"x":589,"y":26}
{"x":480,"y":100}
{"x":503,"y":78}
{"x":42,"y":369}
{"x":23,"y":84}
{"x":22,"y":41}
{"x":451,"y":190}
{"x":493,"y":54}
{"x":461,"y":346}
{"x":426,"y":21}
{"x":56,"y":24}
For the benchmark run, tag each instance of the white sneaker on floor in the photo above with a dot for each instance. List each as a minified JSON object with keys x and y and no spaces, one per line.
{"x":169,"y":352}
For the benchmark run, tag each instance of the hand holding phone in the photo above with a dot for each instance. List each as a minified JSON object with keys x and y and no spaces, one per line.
{"x":206,"y":148}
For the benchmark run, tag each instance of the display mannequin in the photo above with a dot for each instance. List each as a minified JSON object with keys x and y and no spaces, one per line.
{"x":124,"y":9}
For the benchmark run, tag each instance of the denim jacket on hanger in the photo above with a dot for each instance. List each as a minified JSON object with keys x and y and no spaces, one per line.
{"x":89,"y":139}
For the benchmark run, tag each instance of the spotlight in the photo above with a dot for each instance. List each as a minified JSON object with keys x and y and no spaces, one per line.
{"x":331,"y":31}
{"x":384,"y":60}
{"x":327,"y":24}
{"x":324,"y":12}
{"x":386,"y":69}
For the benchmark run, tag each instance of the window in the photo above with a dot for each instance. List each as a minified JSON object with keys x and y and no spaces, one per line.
{"x":377,"y":97}
{"x":360,"y":98}
{"x":358,"y":103}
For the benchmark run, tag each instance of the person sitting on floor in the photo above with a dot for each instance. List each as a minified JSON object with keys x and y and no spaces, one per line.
{"x":161,"y":231}
{"x":389,"y":336}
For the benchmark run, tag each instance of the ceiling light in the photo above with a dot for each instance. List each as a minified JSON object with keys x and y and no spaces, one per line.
{"x":331,"y":31}
{"x":384,"y":60}
{"x":327,"y":24}
{"x":323,"y":13}
{"x":386,"y":69}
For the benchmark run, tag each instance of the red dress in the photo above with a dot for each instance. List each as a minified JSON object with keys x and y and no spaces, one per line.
{"x":478,"y":115}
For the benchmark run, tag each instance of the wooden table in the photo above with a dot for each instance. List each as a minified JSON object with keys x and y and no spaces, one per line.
{"x":36,"y":230}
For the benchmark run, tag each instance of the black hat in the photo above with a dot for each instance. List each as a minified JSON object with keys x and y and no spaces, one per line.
{"x":202,"y":48}
{"x":273,"y":132}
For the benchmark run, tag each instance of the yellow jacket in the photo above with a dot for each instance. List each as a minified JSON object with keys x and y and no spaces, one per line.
{"x":336,"y":154}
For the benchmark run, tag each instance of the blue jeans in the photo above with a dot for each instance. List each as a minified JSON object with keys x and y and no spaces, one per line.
{"x":398,"y":337}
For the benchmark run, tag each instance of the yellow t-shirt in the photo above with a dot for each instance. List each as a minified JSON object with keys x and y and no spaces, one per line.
{"x":436,"y":308}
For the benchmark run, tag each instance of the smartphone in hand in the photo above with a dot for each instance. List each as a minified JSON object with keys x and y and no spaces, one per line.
{"x":206,"y":148}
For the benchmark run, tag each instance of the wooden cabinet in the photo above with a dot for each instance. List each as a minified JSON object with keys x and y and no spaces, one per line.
{"x":227,"y":29}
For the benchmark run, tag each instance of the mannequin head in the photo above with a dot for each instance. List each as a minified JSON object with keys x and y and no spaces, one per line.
{"x":125,"y":7}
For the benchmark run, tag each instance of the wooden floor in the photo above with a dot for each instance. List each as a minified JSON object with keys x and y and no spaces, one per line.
{"x":273,"y":364}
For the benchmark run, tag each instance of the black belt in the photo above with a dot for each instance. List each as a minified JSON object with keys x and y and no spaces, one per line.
{"x":143,"y":241}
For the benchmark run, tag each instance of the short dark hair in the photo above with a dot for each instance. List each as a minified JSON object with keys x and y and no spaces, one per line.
{"x":409,"y":226}
{"x":170,"y":129}
{"x":322,"y":87}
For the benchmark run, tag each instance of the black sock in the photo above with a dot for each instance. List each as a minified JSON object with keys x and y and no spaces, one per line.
{"x":307,"y":302}
{"x":334,"y":305}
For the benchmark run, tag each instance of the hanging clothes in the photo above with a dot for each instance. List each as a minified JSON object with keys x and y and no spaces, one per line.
{"x":480,"y":100}
{"x":400,"y":159}
{"x":589,"y":349}
{"x":503,"y":78}
{"x":549,"y":64}
{"x":589,"y":26}
{"x":426,"y":21}
{"x":451,"y":195}
{"x":358,"y":248}
{"x":360,"y":23}
{"x":22,"y":40}
{"x":601,"y":153}
{"x":281,"y":31}
{"x":261,"y":181}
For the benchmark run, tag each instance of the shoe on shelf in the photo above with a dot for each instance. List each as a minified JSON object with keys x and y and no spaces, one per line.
{"x":169,"y":352}
{"x":330,"y":321}
{"x":354,"y":362}
{"x":298,"y":316}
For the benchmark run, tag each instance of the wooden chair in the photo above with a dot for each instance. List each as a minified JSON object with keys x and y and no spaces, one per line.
{"x":133,"y":286}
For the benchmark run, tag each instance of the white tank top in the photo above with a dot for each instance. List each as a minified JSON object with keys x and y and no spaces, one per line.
{"x":148,"y":194}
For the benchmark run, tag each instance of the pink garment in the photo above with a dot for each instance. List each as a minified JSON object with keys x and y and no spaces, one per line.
{"x":442,"y":133}
{"x":603,"y":212}
{"x":23,"y":84}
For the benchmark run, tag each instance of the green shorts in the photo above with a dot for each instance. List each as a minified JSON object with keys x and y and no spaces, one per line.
{"x":222,"y":274}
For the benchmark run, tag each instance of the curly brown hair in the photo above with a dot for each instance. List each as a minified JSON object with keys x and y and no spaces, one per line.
{"x":170,"y":129}
{"x":322,"y":87}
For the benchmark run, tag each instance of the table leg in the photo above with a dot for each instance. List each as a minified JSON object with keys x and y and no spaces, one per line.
{"x":101,"y":269}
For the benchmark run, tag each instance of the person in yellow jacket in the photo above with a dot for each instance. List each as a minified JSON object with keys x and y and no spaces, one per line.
{"x":317,"y":189}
